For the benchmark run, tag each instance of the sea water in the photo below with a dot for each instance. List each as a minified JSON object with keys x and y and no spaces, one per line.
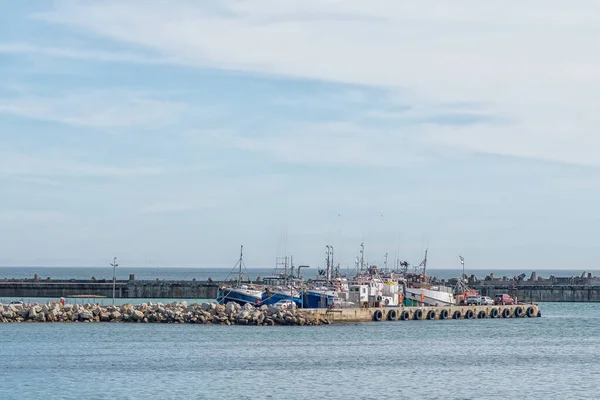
{"x":219,"y":274}
{"x":556,"y":356}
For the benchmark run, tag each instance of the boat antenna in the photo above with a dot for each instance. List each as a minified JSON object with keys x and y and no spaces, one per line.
{"x":362,"y":256}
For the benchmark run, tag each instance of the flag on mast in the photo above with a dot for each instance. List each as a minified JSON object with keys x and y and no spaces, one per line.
{"x":462,"y":260}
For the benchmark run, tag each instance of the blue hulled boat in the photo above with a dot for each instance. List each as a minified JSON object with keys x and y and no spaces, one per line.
{"x":237,"y":292}
{"x":317,"y":298}
{"x":277,"y":289}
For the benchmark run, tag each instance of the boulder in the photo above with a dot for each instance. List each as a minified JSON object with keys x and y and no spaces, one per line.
{"x":104,"y":316}
{"x":220,"y":309}
{"x":115,"y":315}
{"x":230,"y":307}
{"x":85,"y":315}
{"x":136,"y":315}
{"x":256,"y":315}
{"x":243,"y":315}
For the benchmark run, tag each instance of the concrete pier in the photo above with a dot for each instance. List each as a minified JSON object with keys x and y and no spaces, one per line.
{"x":234,"y":314}
{"x":543,"y":293}
{"x":124,"y":289}
{"x":161,"y":289}
{"x":346,"y":315}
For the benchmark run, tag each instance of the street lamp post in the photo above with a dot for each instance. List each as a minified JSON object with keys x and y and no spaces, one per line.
{"x":114,"y":265}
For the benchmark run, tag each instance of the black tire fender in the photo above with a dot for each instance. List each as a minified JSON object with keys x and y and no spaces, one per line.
{"x":377,"y":315}
{"x":418,"y":314}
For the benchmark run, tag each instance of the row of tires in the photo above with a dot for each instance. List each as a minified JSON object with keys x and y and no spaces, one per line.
{"x":419,"y":314}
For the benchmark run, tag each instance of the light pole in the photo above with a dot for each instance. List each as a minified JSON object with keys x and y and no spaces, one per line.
{"x":114,"y":265}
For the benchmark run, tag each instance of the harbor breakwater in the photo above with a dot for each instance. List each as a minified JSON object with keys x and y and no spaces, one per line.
{"x":129,"y":289}
{"x":584,"y":288}
{"x":234,"y":314}
{"x":134,"y":289}
{"x":182,"y":313}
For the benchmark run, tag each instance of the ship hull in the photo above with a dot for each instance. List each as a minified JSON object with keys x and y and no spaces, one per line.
{"x":240,"y":296}
{"x":271,"y":298}
{"x":430,"y":297}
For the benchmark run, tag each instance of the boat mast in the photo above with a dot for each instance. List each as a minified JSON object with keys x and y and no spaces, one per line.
{"x":425,"y":266}
{"x":362,"y":256}
{"x":327,"y":263}
{"x":332,"y":264}
{"x":385,"y":267}
{"x":239,"y":279}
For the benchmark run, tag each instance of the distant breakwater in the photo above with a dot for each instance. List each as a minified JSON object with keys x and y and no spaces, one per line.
{"x":569,"y":289}
{"x":130,"y":289}
{"x":178,"y":313}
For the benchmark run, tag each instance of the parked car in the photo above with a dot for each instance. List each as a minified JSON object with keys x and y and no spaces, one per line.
{"x":473,"y":299}
{"x":487,"y":301}
{"x":504,"y":299}
{"x":288,"y":304}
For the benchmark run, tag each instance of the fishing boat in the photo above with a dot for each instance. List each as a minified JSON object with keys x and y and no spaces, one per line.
{"x":238,"y":292}
{"x":417,"y":289}
{"x":283,"y":284}
{"x":320,"y":297}
{"x":278,"y":288}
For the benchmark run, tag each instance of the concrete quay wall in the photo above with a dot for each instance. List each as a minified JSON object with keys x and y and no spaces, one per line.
{"x":123,"y":289}
{"x":544,"y":293}
{"x":346,"y":315}
{"x":208,"y":290}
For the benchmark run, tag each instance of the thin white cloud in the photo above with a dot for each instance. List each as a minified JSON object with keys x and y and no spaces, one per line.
{"x":37,"y":217}
{"x":95,"y":109}
{"x":78,"y":54}
{"x":531,"y":62}
{"x":166,"y":207}
{"x":60,"y":165}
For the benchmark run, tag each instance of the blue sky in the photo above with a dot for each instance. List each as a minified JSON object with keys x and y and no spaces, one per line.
{"x":169,"y":133}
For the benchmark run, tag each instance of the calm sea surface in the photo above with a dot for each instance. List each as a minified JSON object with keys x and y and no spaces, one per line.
{"x":153,"y":273}
{"x":556,"y":356}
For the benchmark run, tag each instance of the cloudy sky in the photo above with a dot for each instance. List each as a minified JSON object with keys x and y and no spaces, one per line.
{"x":170,"y":132}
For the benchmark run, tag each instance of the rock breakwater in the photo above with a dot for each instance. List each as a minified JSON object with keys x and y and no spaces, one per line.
{"x":182,"y":313}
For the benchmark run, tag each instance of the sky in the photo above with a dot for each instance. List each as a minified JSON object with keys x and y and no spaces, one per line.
{"x":170,"y":133}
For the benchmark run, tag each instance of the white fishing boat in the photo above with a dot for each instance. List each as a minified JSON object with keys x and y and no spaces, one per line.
{"x":417,"y":289}
{"x":433,"y":296}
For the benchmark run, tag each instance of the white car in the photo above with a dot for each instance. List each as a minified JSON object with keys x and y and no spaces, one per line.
{"x":284,"y":304}
{"x":487,"y":301}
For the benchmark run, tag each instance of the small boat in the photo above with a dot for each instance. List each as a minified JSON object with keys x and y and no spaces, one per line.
{"x":319,"y":298}
{"x":283,"y":284}
{"x":238,"y":292}
{"x":277,"y":290}
{"x":418,"y":290}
